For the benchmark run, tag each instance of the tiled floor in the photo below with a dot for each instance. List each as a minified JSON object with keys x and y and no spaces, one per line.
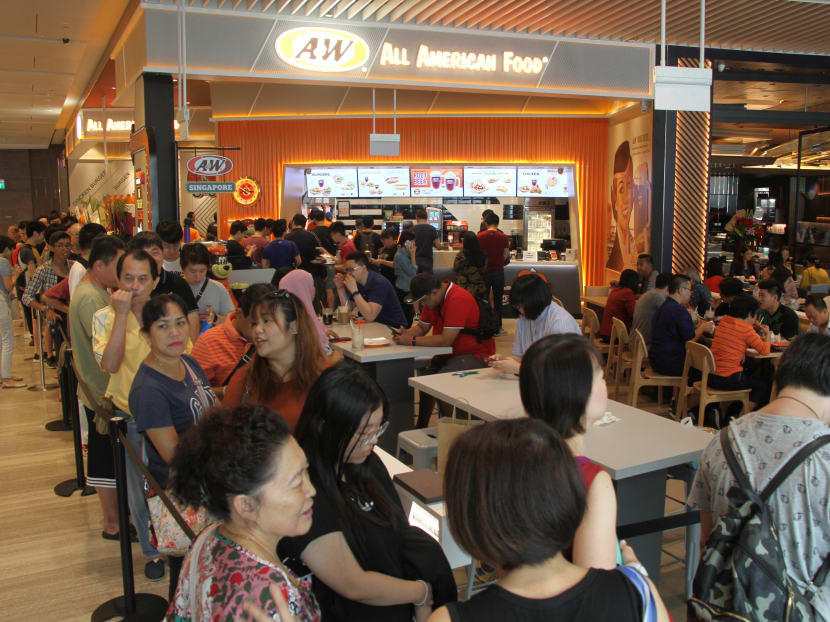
{"x":55,"y":565}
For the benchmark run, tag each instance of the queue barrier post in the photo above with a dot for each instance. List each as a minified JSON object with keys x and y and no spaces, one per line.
{"x":69,"y":397}
{"x":43,"y":386}
{"x":130,"y":606}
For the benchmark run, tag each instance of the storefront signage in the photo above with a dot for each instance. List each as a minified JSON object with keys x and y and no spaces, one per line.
{"x":463,"y":60}
{"x":542,"y":182}
{"x":117,"y":123}
{"x":436,"y":181}
{"x":210,"y":165}
{"x":332,"y":182}
{"x":489,"y":181}
{"x":383,"y":182}
{"x":210,"y":187}
{"x":322,"y":49}
{"x":246,"y":191}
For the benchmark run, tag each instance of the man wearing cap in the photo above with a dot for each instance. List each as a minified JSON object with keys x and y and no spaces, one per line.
{"x":453,"y":315}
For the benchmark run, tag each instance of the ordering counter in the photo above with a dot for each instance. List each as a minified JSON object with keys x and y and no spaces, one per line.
{"x":563,"y":276}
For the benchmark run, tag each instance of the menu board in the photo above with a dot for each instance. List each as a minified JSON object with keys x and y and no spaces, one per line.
{"x":332,"y":182}
{"x":436,"y":181}
{"x":542,"y":182}
{"x":383,"y":182}
{"x":488,"y":181}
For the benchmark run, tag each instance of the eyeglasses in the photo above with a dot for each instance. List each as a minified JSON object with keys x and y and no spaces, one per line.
{"x":280,"y":294}
{"x":365,"y":441}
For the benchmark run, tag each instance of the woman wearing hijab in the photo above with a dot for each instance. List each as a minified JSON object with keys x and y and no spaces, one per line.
{"x":301,"y":284}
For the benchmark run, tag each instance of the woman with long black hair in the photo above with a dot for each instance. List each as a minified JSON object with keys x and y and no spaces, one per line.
{"x":359,"y":542}
{"x":469,"y":266}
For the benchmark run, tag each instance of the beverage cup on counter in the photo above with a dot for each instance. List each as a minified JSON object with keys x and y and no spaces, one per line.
{"x":449,"y":181}
{"x":435,"y":179}
{"x":342,"y":314}
{"x":327,"y":317}
{"x":357,"y":339}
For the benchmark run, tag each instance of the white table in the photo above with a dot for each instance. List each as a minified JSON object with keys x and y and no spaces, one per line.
{"x":636,"y":451}
{"x":391,"y":366}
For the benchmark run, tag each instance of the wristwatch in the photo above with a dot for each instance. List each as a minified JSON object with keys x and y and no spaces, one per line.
{"x":351,"y":295}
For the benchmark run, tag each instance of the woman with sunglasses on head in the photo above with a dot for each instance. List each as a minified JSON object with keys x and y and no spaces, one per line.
{"x":169,"y":394}
{"x":288,"y":358}
{"x":246,"y":470}
{"x":356,"y":545}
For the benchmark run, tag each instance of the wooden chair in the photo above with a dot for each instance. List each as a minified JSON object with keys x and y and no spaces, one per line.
{"x":597,"y":290}
{"x":590,"y":328}
{"x":619,"y":359}
{"x":699,"y":357}
{"x":642,"y":375}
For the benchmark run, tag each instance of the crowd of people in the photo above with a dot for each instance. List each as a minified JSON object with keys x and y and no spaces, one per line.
{"x":236,"y":404}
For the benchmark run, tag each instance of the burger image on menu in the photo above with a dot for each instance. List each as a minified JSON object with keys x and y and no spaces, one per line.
{"x":478,"y":186}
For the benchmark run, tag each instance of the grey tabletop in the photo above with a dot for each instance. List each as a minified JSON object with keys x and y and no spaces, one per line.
{"x":384,"y":353}
{"x":640,"y":442}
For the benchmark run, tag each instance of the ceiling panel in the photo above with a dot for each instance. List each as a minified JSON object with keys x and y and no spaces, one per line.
{"x":41,"y":77}
{"x":767,"y":25}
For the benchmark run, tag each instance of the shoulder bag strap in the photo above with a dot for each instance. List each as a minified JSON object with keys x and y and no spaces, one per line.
{"x":246,"y":358}
{"x":732,"y":460}
{"x":201,"y":291}
{"x":793,"y":463}
{"x":200,"y":390}
{"x":158,"y":489}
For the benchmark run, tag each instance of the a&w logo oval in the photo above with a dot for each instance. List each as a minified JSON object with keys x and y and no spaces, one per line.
{"x":210,"y":165}
{"x":322,"y":49}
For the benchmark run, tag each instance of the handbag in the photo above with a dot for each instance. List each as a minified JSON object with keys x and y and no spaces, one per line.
{"x":176,"y":525}
{"x":104,"y":409}
{"x":449,"y":429}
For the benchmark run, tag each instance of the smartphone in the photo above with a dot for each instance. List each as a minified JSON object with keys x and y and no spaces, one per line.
{"x":397,"y":331}
{"x":340,"y":339}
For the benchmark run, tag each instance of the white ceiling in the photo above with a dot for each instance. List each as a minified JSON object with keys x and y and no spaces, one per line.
{"x":42,"y":79}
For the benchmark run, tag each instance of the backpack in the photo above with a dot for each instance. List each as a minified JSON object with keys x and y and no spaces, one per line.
{"x":742,"y":573}
{"x":488,"y":323}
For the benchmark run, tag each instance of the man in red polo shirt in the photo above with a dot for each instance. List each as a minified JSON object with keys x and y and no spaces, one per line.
{"x":222,"y":350}
{"x":496,"y":245}
{"x":452,"y":314}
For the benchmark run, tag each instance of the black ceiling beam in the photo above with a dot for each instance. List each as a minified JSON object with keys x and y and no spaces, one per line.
{"x":732,"y":75}
{"x":715,"y":54}
{"x":738,"y":114}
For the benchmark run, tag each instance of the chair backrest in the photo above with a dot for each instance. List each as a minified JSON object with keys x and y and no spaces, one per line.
{"x":820,"y":289}
{"x":701,"y":358}
{"x":639,"y":352}
{"x":597,"y":290}
{"x":590,"y":322}
{"x":622,"y":332}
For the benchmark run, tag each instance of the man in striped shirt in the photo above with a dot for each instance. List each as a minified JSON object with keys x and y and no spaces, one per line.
{"x":733,"y":336}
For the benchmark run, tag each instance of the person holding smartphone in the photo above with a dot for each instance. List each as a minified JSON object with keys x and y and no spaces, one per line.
{"x":405,"y":269}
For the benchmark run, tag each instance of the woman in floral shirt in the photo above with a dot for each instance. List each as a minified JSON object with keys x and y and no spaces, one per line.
{"x":244,"y":468}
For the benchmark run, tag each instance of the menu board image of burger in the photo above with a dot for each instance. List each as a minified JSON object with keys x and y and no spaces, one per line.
{"x":436,"y":181}
{"x":374,"y":183}
{"x":332,"y":182}
{"x":539,"y":181}
{"x":489,"y":181}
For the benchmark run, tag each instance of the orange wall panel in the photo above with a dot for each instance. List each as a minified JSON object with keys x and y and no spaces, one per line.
{"x":268,"y":146}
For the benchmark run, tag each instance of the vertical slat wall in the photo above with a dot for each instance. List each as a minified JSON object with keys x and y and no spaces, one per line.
{"x":268,"y":146}
{"x":691,"y":186}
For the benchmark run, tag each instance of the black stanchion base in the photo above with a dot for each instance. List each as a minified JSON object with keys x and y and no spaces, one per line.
{"x":65,"y":489}
{"x":46,"y":387}
{"x":58,"y":425}
{"x":147,"y":607}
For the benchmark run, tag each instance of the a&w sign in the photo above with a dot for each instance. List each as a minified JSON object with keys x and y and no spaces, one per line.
{"x":210,"y":165}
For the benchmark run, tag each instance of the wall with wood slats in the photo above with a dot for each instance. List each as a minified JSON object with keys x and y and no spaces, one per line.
{"x":691,"y":191}
{"x":268,"y":146}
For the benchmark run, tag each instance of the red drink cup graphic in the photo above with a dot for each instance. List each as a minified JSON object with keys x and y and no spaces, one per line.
{"x":449,"y":180}
{"x":533,"y":182}
{"x":435,"y":179}
{"x":321,"y":182}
